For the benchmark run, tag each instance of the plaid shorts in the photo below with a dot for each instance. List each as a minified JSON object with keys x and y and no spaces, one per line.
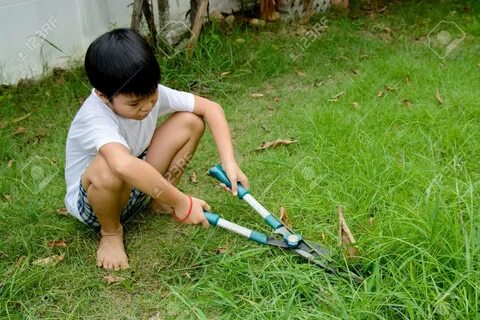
{"x":137,"y":201}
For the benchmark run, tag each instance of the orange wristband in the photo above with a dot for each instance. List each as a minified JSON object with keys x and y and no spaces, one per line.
{"x":188,"y":213}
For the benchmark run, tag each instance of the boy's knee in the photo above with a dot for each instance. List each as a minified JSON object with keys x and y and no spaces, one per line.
{"x":194,"y":123}
{"x":106,"y":179}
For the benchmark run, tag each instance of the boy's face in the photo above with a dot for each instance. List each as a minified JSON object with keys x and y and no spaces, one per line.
{"x":130,"y":106}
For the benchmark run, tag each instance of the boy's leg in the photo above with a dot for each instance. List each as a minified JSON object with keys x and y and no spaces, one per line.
{"x":173,"y":145}
{"x":107,"y":194}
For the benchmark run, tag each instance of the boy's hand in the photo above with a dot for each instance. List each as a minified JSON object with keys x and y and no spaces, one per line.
{"x":196,"y":215}
{"x":234,"y":174}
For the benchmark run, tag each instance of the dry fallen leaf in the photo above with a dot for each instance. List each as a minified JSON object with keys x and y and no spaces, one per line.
{"x":371,"y":220}
{"x":275,"y":144}
{"x":356,"y":105}
{"x":438,"y":97}
{"x":407,"y":79}
{"x":388,"y":31}
{"x":193,"y":177}
{"x":300,"y":73}
{"x":336,"y":97}
{"x":22,"y":118}
{"x":380,"y":93}
{"x":346,"y":237}
{"x":53,"y":260}
{"x":112,"y":279}
{"x":256,"y":95}
{"x":223,"y":74}
{"x":10,"y":163}
{"x":19,"y":261}
{"x":221,"y":250}
{"x":8,"y":197}
{"x":62,"y":211}
{"x":319,"y":83}
{"x":19,"y":130}
{"x":57,"y":243}
{"x":389,"y":89}
{"x":407,"y":103}
{"x":276,"y":99}
{"x":284,"y":218}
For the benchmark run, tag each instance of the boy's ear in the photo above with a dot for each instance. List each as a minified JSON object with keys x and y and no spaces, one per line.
{"x":102,"y":96}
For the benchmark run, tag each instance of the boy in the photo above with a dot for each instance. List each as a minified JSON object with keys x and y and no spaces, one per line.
{"x":116,"y":157}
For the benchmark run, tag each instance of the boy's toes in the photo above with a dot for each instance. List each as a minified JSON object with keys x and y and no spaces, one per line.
{"x":124,"y":265}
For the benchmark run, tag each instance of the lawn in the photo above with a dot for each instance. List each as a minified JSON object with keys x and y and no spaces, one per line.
{"x":387,"y":128}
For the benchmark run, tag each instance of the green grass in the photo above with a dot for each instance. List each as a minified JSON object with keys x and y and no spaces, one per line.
{"x":413,"y":169}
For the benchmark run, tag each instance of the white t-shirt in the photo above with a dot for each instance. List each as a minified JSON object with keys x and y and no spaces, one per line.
{"x":95,"y":125}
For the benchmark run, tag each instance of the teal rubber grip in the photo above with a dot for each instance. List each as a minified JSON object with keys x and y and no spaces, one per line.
{"x":212,"y":218}
{"x":218,"y":173}
{"x":273,"y":222}
{"x":258,"y":237}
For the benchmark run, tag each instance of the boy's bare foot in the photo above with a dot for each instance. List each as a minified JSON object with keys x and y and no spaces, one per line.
{"x":160,"y":208}
{"x":111,"y":251}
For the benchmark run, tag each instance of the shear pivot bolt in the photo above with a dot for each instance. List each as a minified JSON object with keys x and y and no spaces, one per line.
{"x":293,"y":240}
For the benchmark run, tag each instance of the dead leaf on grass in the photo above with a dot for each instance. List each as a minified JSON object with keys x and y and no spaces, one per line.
{"x":407,"y":103}
{"x":112,"y":279}
{"x":388,"y":31}
{"x":284,"y":218}
{"x":300,"y":73}
{"x":224,"y":74}
{"x":57,"y":243}
{"x":10,"y":163}
{"x":275,"y":144}
{"x":19,"y":130}
{"x":380,"y":93}
{"x":389,"y":89}
{"x":52,"y":260}
{"x":193,"y":177}
{"x":336,"y":97}
{"x":257,"y":95}
{"x":356,"y":105}
{"x":62,"y":212}
{"x":276,"y":99}
{"x":371,"y":220}
{"x":407,"y":79}
{"x":438,"y":97}
{"x":319,"y":83}
{"x":22,"y":118}
{"x":19,"y":261}
{"x":8,"y":197}
{"x":221,"y":250}
{"x":346,"y":237}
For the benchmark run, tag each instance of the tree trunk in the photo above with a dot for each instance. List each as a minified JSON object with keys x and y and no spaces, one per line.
{"x":162,"y":13}
{"x":197,"y":25}
{"x":136,"y":14}
{"x":147,"y":12}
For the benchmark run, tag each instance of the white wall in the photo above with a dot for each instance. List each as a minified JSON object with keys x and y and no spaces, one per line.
{"x":69,"y":24}
{"x":72,"y":25}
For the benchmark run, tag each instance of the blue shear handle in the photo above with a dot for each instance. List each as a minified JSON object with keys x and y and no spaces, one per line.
{"x":218,"y":173}
{"x":212,"y":218}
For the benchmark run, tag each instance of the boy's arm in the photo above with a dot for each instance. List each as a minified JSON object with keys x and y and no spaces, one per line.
{"x":144,"y":177}
{"x":213,"y":113}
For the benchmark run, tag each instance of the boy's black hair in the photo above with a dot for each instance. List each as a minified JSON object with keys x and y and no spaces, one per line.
{"x":121,"y":61}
